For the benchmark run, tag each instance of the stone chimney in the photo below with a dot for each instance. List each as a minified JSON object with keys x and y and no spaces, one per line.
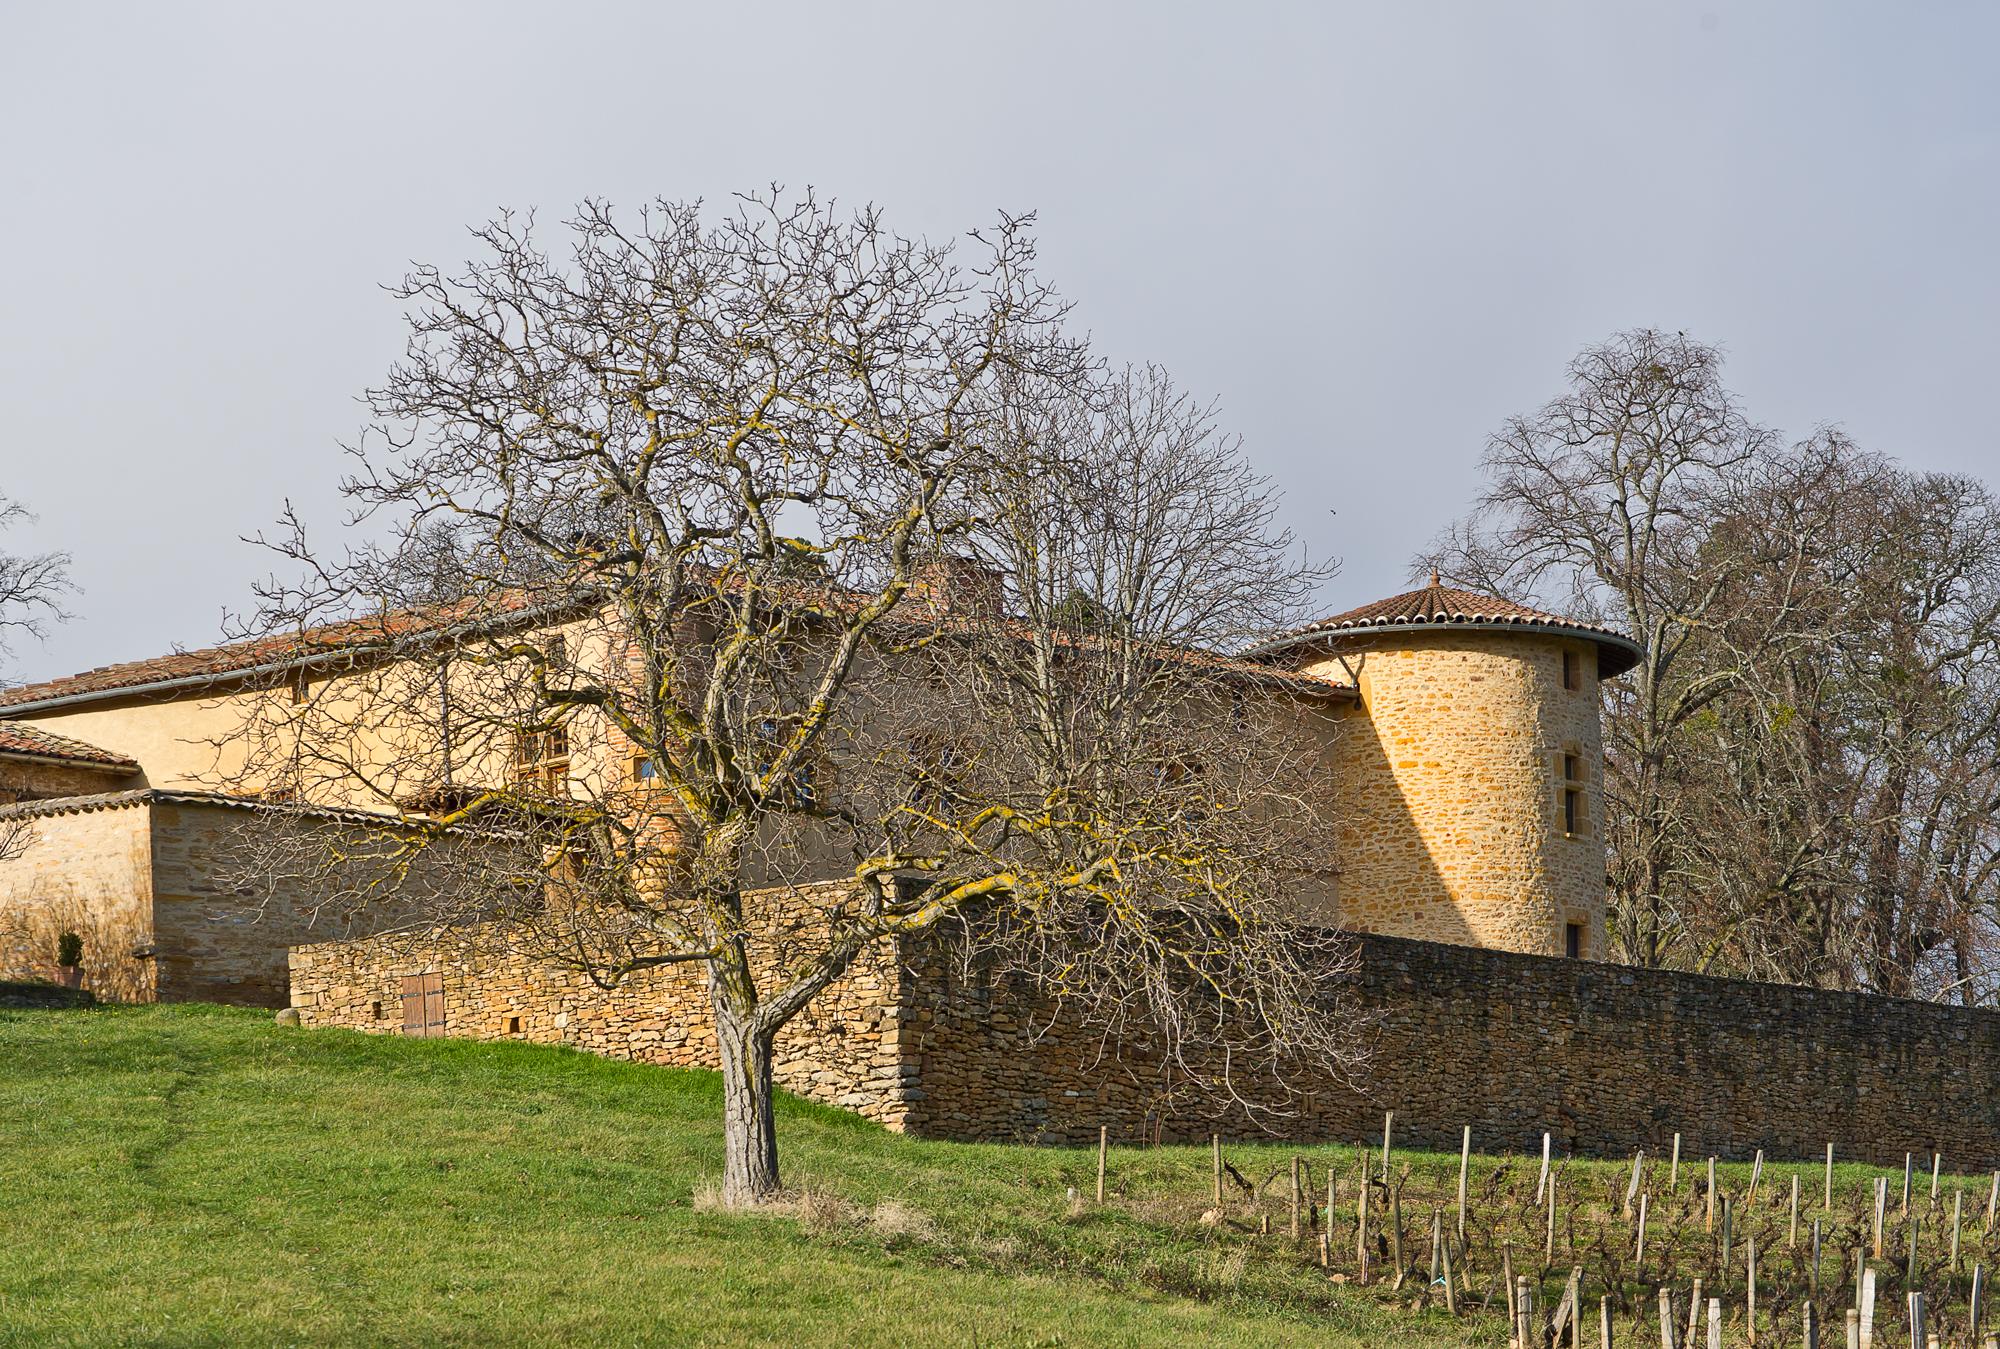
{"x":958,"y":586}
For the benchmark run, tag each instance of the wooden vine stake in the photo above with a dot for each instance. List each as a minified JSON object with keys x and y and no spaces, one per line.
{"x":1464,"y":1164}
{"x":1957,"y":1213}
{"x":1809,"y":1330}
{"x":1639,"y":1247}
{"x":1992,"y":1198}
{"x":1975,"y":1309}
{"x":1715,"y":1323}
{"x":1908,"y":1159}
{"x":1215,"y":1146}
{"x":1827,"y":1201}
{"x":1756,"y":1174}
{"x":1919,"y":1338}
{"x":1450,"y":1285}
{"x":1674,"y":1172}
{"x":1853,"y":1329}
{"x":1604,"y":1322}
{"x":1792,"y":1232}
{"x":1396,"y":1230}
{"x":1632,"y":1185}
{"x":1694,"y":1313}
{"x":1937,"y":1161}
{"x":1542,"y":1181}
{"x":1868,"y":1310}
{"x":1361,"y":1228}
{"x":1667,"y":1336}
{"x":1388,"y":1130}
{"x":1549,"y":1234}
{"x":1750,"y":1284}
{"x":1708,"y":1220}
{"x":1881,"y":1209}
{"x":1297,"y":1198}
{"x":1103,"y":1143}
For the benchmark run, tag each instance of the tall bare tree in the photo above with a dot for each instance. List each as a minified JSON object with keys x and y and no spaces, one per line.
{"x":1802,"y":771}
{"x":31,"y":591}
{"x":1598,"y":503}
{"x":681,"y":587}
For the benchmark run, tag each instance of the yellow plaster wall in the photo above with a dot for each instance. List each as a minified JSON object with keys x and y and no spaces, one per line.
{"x":1449,"y":794}
{"x":90,"y":873}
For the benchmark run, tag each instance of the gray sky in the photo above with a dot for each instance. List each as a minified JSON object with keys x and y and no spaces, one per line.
{"x":1372,"y":231}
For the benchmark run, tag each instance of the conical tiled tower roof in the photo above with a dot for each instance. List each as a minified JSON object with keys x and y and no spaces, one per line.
{"x":1440,"y":606}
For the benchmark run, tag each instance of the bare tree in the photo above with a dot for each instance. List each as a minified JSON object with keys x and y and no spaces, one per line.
{"x":671,"y":527}
{"x":1801,"y":776}
{"x":31,"y":591}
{"x":1598,"y":502}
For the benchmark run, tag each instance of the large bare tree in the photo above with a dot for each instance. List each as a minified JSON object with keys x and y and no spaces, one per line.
{"x":31,"y":591}
{"x":1598,"y":501}
{"x":721,"y":555}
{"x":1801,"y":773}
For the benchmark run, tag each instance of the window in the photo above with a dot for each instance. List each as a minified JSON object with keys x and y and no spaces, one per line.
{"x":1573,"y":940}
{"x":513,"y":1025}
{"x":1574,"y":817}
{"x":645,"y":773}
{"x":423,"y":1004}
{"x":541,"y":758}
{"x":1572,"y":671}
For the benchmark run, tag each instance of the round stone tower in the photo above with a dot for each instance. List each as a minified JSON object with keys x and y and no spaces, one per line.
{"x":1470,"y":769}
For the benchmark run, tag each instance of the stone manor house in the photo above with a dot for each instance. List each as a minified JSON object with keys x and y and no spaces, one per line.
{"x":1467,"y":769}
{"x":1466,"y":787}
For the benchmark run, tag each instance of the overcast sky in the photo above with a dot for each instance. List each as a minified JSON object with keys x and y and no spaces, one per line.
{"x":1370,"y":231}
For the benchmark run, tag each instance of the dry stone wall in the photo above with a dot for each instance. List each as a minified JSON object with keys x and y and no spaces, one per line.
{"x":846,"y":1050}
{"x":1609,"y":1059}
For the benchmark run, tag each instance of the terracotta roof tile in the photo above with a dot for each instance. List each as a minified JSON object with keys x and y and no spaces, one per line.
{"x":16,"y":738}
{"x":316,"y":644}
{"x":1442,"y":606}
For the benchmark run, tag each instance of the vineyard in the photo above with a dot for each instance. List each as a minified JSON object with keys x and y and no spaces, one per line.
{"x":1672,"y":1251}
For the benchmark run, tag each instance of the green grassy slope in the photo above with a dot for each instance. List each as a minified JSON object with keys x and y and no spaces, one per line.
{"x":196,"y":1175}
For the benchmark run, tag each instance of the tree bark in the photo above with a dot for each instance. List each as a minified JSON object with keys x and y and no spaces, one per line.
{"x":749,"y":1129}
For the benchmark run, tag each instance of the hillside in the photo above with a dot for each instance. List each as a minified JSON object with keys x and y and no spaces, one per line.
{"x":196,"y":1175}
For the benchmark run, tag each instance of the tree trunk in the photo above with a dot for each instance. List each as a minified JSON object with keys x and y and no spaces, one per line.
{"x":749,"y":1130}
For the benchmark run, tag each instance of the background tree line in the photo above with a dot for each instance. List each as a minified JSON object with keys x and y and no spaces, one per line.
{"x":1803,"y":773}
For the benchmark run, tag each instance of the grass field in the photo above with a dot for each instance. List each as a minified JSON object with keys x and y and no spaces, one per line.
{"x":196,"y":1175}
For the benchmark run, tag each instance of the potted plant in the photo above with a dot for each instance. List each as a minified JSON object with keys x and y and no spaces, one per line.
{"x":69,"y":960}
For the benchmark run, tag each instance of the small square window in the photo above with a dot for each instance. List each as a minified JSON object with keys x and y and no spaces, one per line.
{"x":513,"y":1025}
{"x":375,"y":1011}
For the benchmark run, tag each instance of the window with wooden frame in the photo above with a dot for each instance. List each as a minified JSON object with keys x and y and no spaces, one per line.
{"x":1575,"y":814}
{"x":642,"y":772}
{"x":423,"y":1004}
{"x":541,"y":758}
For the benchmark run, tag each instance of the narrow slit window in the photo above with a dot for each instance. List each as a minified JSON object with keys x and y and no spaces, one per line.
{"x":1572,"y":672}
{"x":1573,"y":818}
{"x":1573,"y":940}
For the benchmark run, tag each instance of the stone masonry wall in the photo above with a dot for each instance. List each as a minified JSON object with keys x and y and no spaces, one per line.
{"x":845,"y":1050}
{"x":1448,"y":790}
{"x":1608,"y":1058}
